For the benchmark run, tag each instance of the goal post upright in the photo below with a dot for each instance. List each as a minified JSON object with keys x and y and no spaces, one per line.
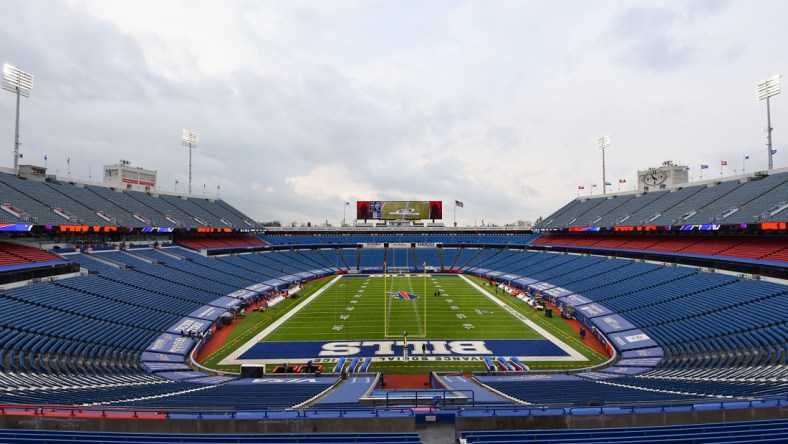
{"x":424,"y":265}
{"x":385,"y":304}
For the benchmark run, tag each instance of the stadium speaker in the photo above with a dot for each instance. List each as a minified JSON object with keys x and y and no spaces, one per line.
{"x":548,"y":312}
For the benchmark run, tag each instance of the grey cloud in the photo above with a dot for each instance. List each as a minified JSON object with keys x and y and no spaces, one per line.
{"x":644,"y":39}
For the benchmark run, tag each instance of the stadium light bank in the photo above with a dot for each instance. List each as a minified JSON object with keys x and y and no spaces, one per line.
{"x":20,"y":83}
{"x":190,"y":140}
{"x":766,"y":89}
{"x":602,"y":143}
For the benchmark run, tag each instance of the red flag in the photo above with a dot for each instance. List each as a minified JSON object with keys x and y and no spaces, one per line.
{"x":622,"y":181}
{"x":724,"y":162}
{"x":581,"y":187}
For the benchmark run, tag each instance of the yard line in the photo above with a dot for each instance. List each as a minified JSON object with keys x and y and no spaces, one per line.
{"x":574,"y":355}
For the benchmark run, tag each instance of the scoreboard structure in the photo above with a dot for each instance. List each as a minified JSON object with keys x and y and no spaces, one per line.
{"x":409,"y":210}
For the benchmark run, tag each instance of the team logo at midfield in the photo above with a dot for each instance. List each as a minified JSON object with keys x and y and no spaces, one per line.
{"x":405,"y":295}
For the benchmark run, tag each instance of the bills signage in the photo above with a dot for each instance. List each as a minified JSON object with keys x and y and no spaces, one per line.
{"x":385,"y":349}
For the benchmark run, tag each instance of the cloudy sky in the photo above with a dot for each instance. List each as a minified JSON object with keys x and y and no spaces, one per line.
{"x":304,"y":105}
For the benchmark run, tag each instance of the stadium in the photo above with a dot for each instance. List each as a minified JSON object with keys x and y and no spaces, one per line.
{"x":150,"y":317}
{"x":144,"y":303}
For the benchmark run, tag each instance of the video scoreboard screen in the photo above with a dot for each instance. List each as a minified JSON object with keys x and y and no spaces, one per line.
{"x":399,"y":209}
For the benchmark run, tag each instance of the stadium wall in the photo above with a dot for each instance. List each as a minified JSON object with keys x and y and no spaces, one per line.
{"x":505,"y":418}
{"x":222,"y":425}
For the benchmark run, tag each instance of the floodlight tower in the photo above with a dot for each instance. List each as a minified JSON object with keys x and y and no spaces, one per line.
{"x":20,"y":83}
{"x":766,"y":89}
{"x":602,"y":143}
{"x":190,"y":140}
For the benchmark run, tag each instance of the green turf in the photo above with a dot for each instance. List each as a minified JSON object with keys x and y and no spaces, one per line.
{"x":398,"y":209}
{"x":363,"y":308}
{"x":357,"y":309}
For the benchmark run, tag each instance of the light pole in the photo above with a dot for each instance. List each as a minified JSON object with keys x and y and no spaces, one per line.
{"x":190,"y":140}
{"x":20,"y":83}
{"x":602,"y":143}
{"x":766,"y":89}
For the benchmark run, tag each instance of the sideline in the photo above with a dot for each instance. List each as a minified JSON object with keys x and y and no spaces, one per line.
{"x":232,"y":358}
{"x":574,"y":355}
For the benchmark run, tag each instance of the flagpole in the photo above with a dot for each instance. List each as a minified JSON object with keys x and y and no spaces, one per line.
{"x":455,"y":213}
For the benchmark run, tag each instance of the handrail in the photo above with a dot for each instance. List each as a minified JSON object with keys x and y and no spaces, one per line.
{"x":459,"y":410}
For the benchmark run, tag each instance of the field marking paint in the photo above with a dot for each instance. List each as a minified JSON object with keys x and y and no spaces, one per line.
{"x":232,"y":358}
{"x":574,"y":355}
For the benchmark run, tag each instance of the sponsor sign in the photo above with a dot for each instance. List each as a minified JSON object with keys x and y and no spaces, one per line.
{"x":557,"y":292}
{"x":209,"y":380}
{"x":593,"y":310}
{"x":612,"y":323}
{"x":540,"y":286}
{"x":284,"y":381}
{"x":653,"y":352}
{"x":180,"y":376}
{"x":154,"y":367}
{"x":639,"y":362}
{"x":161,"y":357}
{"x":193,"y":325}
{"x":16,"y":227}
{"x":626,"y":370}
{"x":208,"y":312}
{"x":574,"y":300}
{"x":523,"y":282}
{"x":306,"y":275}
{"x":631,"y":340}
{"x":275,"y":283}
{"x":259,"y":288}
{"x":171,"y":343}
{"x":526,"y":378}
{"x":600,"y":375}
{"x":225,"y":302}
{"x":387,"y":350}
{"x":242,"y":294}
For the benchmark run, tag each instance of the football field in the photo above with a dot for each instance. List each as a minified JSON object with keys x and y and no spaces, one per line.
{"x":405,"y":210}
{"x":445,"y":318}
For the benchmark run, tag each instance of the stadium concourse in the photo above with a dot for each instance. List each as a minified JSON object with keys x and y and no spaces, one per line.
{"x":106,"y":295}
